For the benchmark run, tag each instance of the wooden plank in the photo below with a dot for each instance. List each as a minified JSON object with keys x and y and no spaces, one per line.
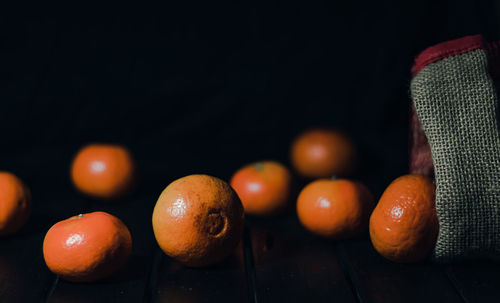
{"x":476,"y":281}
{"x":223,"y":282}
{"x":380,"y":280}
{"x":130,"y":283}
{"x":25,"y":277}
{"x":46,"y":172}
{"x":292,"y":265}
{"x":171,"y":281}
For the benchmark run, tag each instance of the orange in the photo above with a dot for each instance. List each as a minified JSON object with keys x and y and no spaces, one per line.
{"x":198,"y":220}
{"x":322,"y":153}
{"x":15,"y":203}
{"x":263,"y":187}
{"x":87,"y":247}
{"x":103,"y":171}
{"x":404,"y":225}
{"x":337,"y":209}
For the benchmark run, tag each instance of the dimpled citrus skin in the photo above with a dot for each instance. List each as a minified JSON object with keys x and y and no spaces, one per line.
{"x":336,"y":209}
{"x":322,"y":153}
{"x":15,"y":203}
{"x":198,"y":220}
{"x":87,"y":247}
{"x":103,"y":171}
{"x":263,"y":187}
{"x":404,"y":224}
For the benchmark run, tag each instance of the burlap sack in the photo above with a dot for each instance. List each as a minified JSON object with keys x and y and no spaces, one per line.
{"x":455,"y":138}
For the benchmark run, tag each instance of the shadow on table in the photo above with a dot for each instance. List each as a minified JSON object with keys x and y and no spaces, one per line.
{"x":127,"y":282}
{"x":221,"y":282}
{"x":133,"y":270}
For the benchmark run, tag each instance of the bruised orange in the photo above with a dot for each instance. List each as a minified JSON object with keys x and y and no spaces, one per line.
{"x":322,"y":153}
{"x":263,"y":187}
{"x":198,"y":220}
{"x":336,"y":209}
{"x":103,"y":171}
{"x":87,"y":247}
{"x":15,"y":203}
{"x":404,"y":225}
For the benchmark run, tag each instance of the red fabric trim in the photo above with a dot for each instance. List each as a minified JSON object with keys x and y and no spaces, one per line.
{"x":447,"y":49}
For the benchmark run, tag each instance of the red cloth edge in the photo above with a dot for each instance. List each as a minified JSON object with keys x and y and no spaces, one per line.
{"x":447,"y":49}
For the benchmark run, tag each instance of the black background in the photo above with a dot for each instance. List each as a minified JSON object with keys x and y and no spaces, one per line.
{"x":203,"y":87}
{"x":208,"y":87}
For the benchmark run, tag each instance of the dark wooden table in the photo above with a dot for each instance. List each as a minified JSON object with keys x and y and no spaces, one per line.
{"x":277,"y":261}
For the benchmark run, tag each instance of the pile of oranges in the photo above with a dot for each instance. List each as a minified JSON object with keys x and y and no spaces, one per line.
{"x":198,"y":219}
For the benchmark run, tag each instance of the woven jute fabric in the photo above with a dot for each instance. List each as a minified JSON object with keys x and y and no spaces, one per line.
{"x":456,"y":104}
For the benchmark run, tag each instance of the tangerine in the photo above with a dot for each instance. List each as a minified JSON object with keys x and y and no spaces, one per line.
{"x":337,"y":209}
{"x":15,"y":203}
{"x":198,"y":220}
{"x":263,"y":187}
{"x":322,"y":153}
{"x":404,"y":224}
{"x":87,"y":247}
{"x":103,"y":171}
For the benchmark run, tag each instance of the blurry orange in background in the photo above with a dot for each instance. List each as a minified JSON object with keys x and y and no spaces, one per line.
{"x":104,"y":171}
{"x":323,"y":153}
{"x":264,"y":187}
{"x":15,"y":203}
{"x":336,"y":209}
{"x":87,"y":247}
{"x":198,"y":220}
{"x":404,"y":225}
